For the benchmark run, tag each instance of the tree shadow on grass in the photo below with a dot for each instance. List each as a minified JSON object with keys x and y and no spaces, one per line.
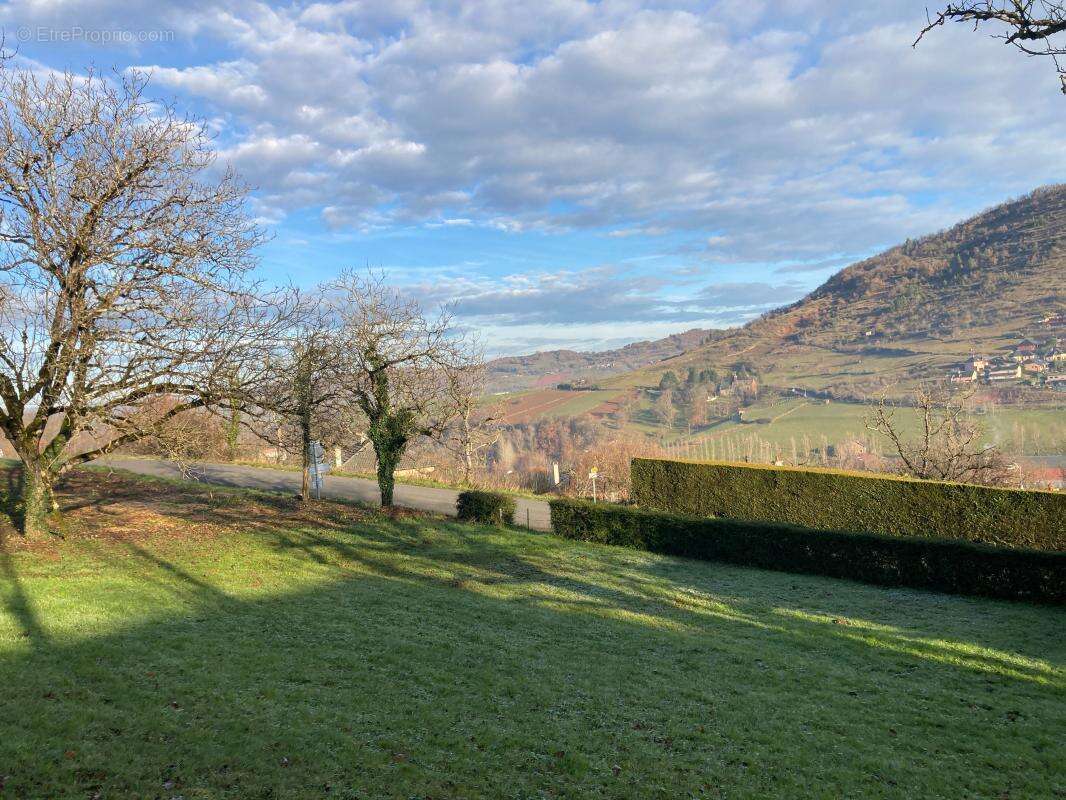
{"x":18,"y":604}
{"x":430,"y":649}
{"x":670,"y":592}
{"x":658,"y":591}
{"x":481,"y":666}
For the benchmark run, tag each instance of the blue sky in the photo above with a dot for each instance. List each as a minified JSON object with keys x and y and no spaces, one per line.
{"x":577,"y":174}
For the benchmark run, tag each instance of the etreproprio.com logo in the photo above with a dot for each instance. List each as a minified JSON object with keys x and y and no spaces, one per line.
{"x":103,"y":36}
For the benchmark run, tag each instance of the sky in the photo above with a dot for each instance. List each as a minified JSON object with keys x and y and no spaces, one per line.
{"x":582,"y":174}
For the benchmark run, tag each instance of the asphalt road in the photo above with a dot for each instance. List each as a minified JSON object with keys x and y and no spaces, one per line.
{"x":425,"y":498}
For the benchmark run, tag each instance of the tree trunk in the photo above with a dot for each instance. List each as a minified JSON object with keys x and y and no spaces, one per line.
{"x":387,"y":462}
{"x":305,"y":441}
{"x":468,"y":450}
{"x":233,"y":433}
{"x":36,"y":500}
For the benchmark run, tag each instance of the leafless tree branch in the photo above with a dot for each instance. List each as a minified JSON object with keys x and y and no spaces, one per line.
{"x":404,"y":370}
{"x":1031,"y":25}
{"x":124,"y":290}
{"x":947,"y":446}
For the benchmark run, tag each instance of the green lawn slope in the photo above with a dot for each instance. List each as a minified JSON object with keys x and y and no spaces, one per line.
{"x":182,"y":641}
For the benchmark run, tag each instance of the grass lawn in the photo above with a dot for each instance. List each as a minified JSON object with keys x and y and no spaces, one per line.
{"x":203,"y":643}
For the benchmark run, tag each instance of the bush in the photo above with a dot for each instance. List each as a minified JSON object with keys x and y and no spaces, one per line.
{"x":948,"y":566}
{"x":491,"y":508}
{"x":853,"y":502}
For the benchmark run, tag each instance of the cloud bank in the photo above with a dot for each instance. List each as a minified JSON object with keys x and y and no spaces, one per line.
{"x":764,"y":144}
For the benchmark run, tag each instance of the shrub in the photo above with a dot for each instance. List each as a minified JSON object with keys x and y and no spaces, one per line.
{"x":948,"y":566}
{"x":491,"y":508}
{"x":853,"y":502}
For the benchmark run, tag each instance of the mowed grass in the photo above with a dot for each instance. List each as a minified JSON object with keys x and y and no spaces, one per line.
{"x":197,"y":643}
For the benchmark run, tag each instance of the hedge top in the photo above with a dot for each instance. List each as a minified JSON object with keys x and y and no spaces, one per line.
{"x":850,"y":473}
{"x":857,"y":502}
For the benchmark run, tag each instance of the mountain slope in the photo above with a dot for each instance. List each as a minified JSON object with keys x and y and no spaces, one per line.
{"x":911,"y":311}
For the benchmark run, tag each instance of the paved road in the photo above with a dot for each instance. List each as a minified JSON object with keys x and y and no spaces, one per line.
{"x":426,"y":498}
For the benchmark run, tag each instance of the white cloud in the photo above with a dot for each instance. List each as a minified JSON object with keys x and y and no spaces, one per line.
{"x":793,"y":132}
{"x":782,"y":132}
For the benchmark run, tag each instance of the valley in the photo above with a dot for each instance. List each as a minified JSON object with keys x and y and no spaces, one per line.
{"x":799,"y":384}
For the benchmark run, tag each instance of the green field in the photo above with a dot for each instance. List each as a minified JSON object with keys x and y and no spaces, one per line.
{"x":1015,"y":430}
{"x":196,"y":643}
{"x":582,"y":403}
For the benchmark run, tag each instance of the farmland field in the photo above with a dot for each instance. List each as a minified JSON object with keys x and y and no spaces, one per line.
{"x":1017,"y":430}
{"x":536,"y":404}
{"x":1025,"y":431}
{"x":583,"y":403}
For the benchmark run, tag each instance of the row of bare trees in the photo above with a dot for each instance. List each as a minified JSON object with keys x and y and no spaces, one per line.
{"x":127,"y":300}
{"x":365,"y":366}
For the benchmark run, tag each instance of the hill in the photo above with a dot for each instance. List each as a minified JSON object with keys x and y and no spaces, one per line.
{"x":911,"y":311}
{"x":550,"y":367}
{"x":876,"y":328}
{"x":917,"y":307}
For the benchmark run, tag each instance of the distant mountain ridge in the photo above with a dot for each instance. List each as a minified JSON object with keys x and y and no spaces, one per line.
{"x":556,"y":366}
{"x":986,"y":271}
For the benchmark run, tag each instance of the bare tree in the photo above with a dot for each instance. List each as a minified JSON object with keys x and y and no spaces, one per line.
{"x":474,"y":430}
{"x":123,"y":293}
{"x":400,"y":365}
{"x":304,"y":391}
{"x":663,"y":407}
{"x":947,"y":446}
{"x":1030,"y":25}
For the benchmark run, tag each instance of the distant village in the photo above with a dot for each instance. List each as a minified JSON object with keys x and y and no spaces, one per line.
{"x":1029,"y":362}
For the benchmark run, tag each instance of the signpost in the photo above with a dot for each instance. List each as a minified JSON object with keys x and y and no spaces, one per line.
{"x":593,"y":474}
{"x":318,"y":468}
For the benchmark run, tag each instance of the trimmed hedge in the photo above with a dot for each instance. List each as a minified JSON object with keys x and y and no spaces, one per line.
{"x":947,"y":566}
{"x":491,"y":508}
{"x":846,"y":501}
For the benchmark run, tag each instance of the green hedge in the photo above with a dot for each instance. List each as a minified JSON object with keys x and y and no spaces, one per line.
{"x":491,"y":508}
{"x":846,"y":501}
{"x":947,"y":566}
